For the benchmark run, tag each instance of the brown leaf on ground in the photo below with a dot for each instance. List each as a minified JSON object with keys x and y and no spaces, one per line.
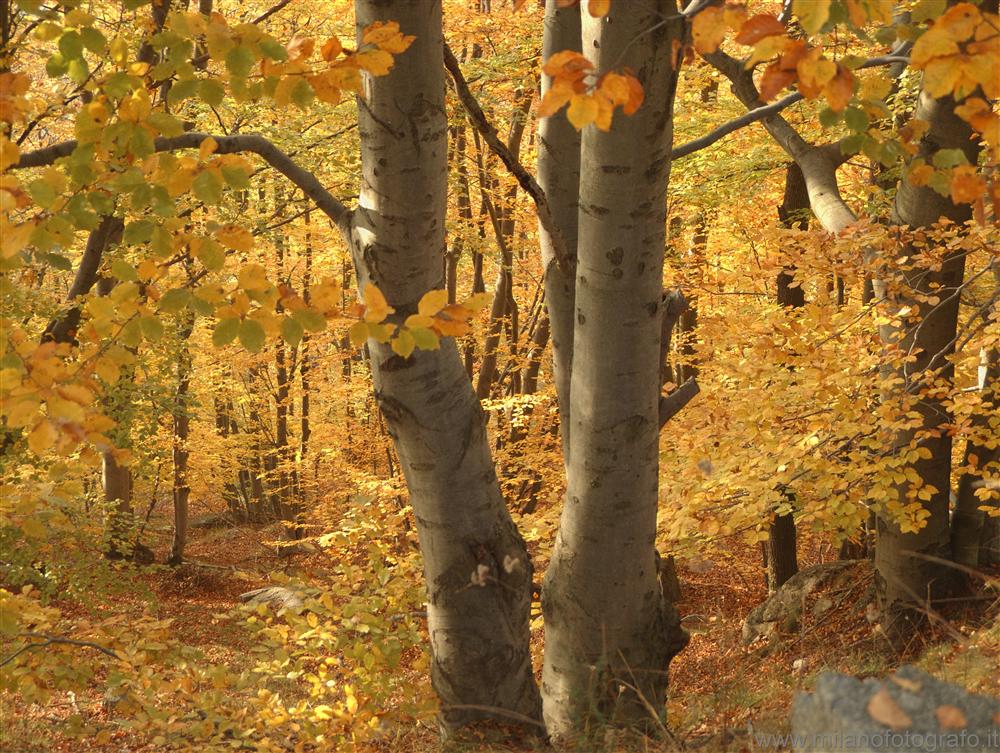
{"x":951,"y":717}
{"x":883,"y":708}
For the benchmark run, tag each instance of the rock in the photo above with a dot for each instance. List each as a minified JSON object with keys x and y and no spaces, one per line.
{"x":909,"y":711}
{"x":782,"y":611}
{"x":212,"y":520}
{"x":277,"y":596}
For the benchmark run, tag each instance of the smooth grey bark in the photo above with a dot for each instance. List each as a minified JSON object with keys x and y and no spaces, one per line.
{"x":610,"y":633}
{"x":559,"y":177}
{"x":476,"y":565}
{"x":904,"y":577}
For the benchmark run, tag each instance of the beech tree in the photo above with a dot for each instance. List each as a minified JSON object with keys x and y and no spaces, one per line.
{"x":159,"y":196}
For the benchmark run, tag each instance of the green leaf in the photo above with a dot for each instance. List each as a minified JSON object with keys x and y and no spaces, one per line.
{"x":174,"y":300}
{"x":56,"y":66}
{"x":425,"y":339}
{"x":252,"y":335}
{"x":59,"y":261}
{"x":311,"y":320}
{"x":853,"y":143}
{"x":165,"y":123}
{"x":92,"y":39}
{"x":949,"y":158}
{"x":71,"y":45}
{"x":291,"y":330}
{"x":302,"y":94}
{"x":236,"y":177}
{"x":207,"y":186}
{"x":78,"y":71}
{"x":240,"y":61}
{"x":272,"y":48}
{"x":182,"y":90}
{"x":42,"y":193}
{"x":828,"y":118}
{"x":225,"y":331}
{"x":123,"y":271}
{"x":131,"y":334}
{"x":211,"y":91}
{"x":928,"y":9}
{"x":812,"y":14}
{"x":212,"y":255}
{"x":137,"y":231}
{"x":152,"y":328}
{"x":856,"y":119}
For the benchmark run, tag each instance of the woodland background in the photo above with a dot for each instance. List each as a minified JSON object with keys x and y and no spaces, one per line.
{"x":266,"y":432}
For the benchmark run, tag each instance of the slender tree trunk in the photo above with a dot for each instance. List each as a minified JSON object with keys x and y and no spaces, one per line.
{"x":182,"y":425}
{"x":973,"y":535}
{"x":559,"y":177}
{"x":610,"y":632}
{"x":780,"y":557}
{"x":476,"y":565}
{"x":904,"y":576}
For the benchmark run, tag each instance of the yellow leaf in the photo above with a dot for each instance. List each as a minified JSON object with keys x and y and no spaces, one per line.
{"x":812,"y":14}
{"x":708,"y":29}
{"x":42,"y":437}
{"x":300,"y":48}
{"x":376,"y":307}
{"x":253,"y":277}
{"x":235,"y":237}
{"x":207,"y":148}
{"x":432,"y":302}
{"x":376,"y":62}
{"x":9,"y":153}
{"x":583,"y":110}
{"x":403,"y":344}
{"x":358,"y":334}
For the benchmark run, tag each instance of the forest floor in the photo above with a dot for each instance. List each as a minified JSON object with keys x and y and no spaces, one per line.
{"x":722,"y":692}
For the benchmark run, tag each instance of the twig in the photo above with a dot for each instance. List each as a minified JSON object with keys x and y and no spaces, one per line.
{"x":55,"y":639}
{"x":478,"y":119}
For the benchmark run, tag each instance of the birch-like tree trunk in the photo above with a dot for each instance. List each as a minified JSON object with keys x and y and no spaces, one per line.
{"x":476,"y":565}
{"x":610,"y":634}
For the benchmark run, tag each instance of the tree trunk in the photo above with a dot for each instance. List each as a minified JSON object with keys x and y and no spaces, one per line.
{"x":971,"y":536}
{"x":182,"y":425}
{"x":476,"y":565}
{"x":610,"y":633}
{"x":904,"y":576}
{"x":559,"y":177}
{"x":780,"y":557}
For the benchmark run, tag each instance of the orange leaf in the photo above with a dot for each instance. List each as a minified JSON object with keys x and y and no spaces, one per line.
{"x":300,"y":48}
{"x":331,"y":49}
{"x":840,"y":89}
{"x":774,"y":80}
{"x":598,"y":8}
{"x":760,"y":26}
{"x":966,"y":185}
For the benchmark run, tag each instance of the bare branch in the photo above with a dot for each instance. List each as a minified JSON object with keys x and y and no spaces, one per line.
{"x":255,"y":143}
{"x":674,"y":403}
{"x":478,"y":119}
{"x":48,"y":640}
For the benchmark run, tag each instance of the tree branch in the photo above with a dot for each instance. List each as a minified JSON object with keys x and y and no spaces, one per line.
{"x":747,"y":93}
{"x":255,"y":143}
{"x":106,"y":234}
{"x":48,"y":640}
{"x":672,"y":404}
{"x":478,"y":119}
